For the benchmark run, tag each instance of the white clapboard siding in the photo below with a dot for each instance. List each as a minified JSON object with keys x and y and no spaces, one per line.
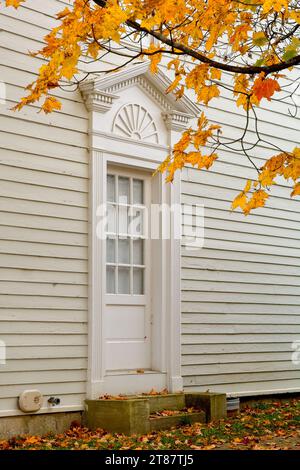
{"x":33,"y":208}
{"x":215,"y":352}
{"x":241,"y":291}
{"x":42,"y":236}
{"x":73,"y":108}
{"x":43,"y":225}
{"x":218,"y":360}
{"x":224,"y":253}
{"x":40,"y":131}
{"x":42,"y":301}
{"x":248,"y":277}
{"x":56,"y":387}
{"x":29,"y":176}
{"x":36,"y":222}
{"x":44,"y":340}
{"x":43,"y":249}
{"x":238,"y":377}
{"x":44,"y":289}
{"x":42,"y":263}
{"x":45,"y":315}
{"x":46,"y":352}
{"x":36,"y":192}
{"x":264,"y":216}
{"x":69,"y":402}
{"x":51,"y":364}
{"x":43,"y":163}
{"x":260,"y":386}
{"x":45,"y":376}
{"x":30,"y":145}
{"x":42,"y":276}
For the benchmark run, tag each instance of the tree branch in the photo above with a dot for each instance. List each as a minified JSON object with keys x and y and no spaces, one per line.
{"x":249,"y":70}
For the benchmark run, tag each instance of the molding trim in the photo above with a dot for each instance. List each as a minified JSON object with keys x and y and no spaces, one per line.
{"x":96,"y":359}
{"x":141,"y":81}
{"x":99,"y":94}
{"x":97,"y":100}
{"x":135,"y":122}
{"x":177,"y":121}
{"x":120,"y":138}
{"x":42,"y":411}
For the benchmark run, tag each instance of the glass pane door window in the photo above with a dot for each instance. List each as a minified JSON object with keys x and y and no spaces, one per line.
{"x":125,"y":235}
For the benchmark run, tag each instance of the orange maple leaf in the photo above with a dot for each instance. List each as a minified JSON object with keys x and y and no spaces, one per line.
{"x":265,"y":87}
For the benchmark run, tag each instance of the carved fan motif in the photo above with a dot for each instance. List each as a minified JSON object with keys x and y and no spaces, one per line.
{"x":134,"y":121}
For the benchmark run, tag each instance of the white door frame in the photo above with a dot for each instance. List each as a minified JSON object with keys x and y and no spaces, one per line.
{"x":108,"y":148}
{"x":166,"y":326}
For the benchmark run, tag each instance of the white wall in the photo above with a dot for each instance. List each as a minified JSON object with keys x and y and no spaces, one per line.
{"x":43,"y":225}
{"x":241,"y":292}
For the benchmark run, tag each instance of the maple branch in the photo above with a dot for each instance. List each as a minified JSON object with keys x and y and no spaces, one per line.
{"x":249,"y":70}
{"x":287,"y":35}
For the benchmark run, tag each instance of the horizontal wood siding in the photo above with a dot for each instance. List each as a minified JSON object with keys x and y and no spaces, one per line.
{"x":43,"y":225}
{"x":241,"y":290}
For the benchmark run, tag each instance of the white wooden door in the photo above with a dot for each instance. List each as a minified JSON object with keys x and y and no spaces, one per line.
{"x":127,"y":307}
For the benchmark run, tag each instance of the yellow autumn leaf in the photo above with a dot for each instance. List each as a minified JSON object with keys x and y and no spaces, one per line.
{"x":239,"y":201}
{"x":276,"y":5}
{"x":215,"y":74}
{"x":266,"y":178}
{"x":174,"y":84}
{"x":258,"y":199}
{"x":207,"y":93}
{"x":259,"y":38}
{"x":51,"y":104}
{"x":248,"y":186}
{"x":14,"y":3}
{"x":296,"y":190}
{"x":295,"y":15}
{"x":154,"y":57}
{"x":93,"y":50}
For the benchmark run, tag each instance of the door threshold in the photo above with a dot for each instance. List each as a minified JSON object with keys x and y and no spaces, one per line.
{"x":132,"y":372}
{"x":131,"y":382}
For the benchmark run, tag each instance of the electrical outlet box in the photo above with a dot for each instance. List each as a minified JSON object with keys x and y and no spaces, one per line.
{"x":30,"y":401}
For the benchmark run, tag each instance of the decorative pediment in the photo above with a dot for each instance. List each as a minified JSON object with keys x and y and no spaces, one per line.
{"x":135,"y":122}
{"x":100,"y":94}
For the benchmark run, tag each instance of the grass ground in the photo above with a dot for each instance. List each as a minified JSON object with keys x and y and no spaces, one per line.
{"x":272,"y":426}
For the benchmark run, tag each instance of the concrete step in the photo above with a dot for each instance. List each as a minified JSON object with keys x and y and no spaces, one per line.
{"x":136,"y":414}
{"x":161,"y":423}
{"x":169,"y":401}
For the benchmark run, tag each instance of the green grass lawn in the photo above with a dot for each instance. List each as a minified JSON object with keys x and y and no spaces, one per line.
{"x":274,"y":425}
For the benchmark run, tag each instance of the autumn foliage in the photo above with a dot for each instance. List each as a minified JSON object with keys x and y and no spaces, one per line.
{"x":262,"y":426}
{"x":255,"y":41}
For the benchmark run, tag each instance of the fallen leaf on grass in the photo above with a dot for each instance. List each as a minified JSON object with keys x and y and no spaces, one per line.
{"x":209,"y":447}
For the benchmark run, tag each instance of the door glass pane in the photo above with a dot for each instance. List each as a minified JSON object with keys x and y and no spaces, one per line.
{"x":123,"y":220}
{"x":110,"y":280}
{"x":138,"y":281}
{"x":111,"y":219}
{"x":111,"y":188}
{"x":124,"y":281}
{"x":138,"y":189}
{"x":137,"y":222}
{"x":110,"y":250}
{"x":124,"y":251}
{"x":126,"y":229}
{"x":124,"y":189}
{"x":138,"y":246}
